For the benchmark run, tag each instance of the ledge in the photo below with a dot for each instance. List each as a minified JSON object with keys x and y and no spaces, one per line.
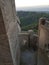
{"x":44,"y":27}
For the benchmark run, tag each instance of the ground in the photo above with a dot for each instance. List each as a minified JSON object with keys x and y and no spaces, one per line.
{"x":28,"y":57}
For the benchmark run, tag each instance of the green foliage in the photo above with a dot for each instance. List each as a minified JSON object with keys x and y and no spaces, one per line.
{"x":29,"y":20}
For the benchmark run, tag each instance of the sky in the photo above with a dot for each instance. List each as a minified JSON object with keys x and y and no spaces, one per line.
{"x":30,"y":3}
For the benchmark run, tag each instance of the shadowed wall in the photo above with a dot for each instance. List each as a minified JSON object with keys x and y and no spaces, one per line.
{"x":9,"y":29}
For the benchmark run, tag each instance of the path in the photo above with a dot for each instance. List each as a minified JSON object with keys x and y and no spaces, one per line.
{"x":28,"y":57}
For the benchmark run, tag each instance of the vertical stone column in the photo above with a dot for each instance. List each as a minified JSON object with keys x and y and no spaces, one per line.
{"x":9,"y":27}
{"x":42,"y":22}
{"x":43,"y":42}
{"x":5,"y":54}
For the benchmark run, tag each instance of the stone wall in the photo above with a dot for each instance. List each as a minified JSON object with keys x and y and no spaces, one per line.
{"x":43,"y":34}
{"x":24,"y":38}
{"x":28,"y":38}
{"x":9,"y":29}
{"x":5,"y":54}
{"x":43,"y":58}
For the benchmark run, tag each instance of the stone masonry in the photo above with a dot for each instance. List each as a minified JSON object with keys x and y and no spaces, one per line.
{"x":43,"y":49}
{"x":9,"y":29}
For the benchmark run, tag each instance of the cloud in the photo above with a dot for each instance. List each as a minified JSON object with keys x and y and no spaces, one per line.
{"x":27,"y":3}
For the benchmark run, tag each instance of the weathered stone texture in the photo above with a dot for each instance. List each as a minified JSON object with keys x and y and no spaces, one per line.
{"x":43,"y":34}
{"x":24,"y":38}
{"x":43,"y":50}
{"x":5,"y":54}
{"x":9,"y":29}
{"x":44,"y":37}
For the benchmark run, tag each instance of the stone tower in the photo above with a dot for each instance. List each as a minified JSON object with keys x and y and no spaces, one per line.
{"x":9,"y":29}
